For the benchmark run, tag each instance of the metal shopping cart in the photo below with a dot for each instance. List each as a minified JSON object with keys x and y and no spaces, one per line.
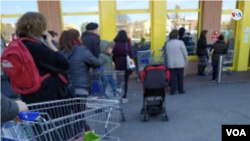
{"x":143,"y":59}
{"x":227,"y":62}
{"x":65,"y":120}
{"x":109,"y":85}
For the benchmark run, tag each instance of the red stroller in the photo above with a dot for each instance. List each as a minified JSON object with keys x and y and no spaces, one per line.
{"x":155,"y":80}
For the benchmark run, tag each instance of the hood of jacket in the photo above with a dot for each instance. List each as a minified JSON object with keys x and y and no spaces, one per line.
{"x":104,"y":45}
{"x":68,"y":54}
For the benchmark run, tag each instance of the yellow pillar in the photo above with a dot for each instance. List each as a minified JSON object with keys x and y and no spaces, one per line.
{"x":107,"y":13}
{"x":158,"y":25}
{"x":1,"y":28}
{"x":242,"y":40}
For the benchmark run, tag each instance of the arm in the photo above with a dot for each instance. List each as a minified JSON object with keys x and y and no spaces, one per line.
{"x":102,"y":60}
{"x":130,"y":51}
{"x":9,"y":109}
{"x":47,"y":59}
{"x":90,"y":59}
{"x":97,"y":49}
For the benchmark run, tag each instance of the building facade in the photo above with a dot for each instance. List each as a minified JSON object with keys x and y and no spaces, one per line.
{"x":151,"y":20}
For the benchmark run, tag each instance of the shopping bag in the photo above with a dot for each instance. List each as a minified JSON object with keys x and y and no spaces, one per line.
{"x":130,"y":63}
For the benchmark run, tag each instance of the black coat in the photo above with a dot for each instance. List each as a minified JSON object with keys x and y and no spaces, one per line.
{"x":47,"y":61}
{"x":92,"y":42}
{"x":219,"y":48}
{"x":202,"y":46}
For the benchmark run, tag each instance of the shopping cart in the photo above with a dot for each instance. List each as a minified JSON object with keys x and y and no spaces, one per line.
{"x":143,"y":59}
{"x":65,"y":120}
{"x":227,"y":62}
{"x":109,"y":85}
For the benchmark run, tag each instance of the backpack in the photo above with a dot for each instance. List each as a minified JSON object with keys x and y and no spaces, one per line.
{"x":19,"y":65}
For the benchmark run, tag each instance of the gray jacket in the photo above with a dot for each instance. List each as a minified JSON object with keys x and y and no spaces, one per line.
{"x":105,"y":59}
{"x":9,"y":109}
{"x":80,"y":60}
{"x":177,"y":56}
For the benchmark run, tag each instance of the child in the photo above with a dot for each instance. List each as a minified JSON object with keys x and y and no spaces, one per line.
{"x":105,"y":59}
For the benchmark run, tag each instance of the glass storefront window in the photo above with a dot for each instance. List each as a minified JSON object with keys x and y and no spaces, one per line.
{"x":9,"y":28}
{"x":227,"y":29}
{"x":126,"y":5}
{"x":79,"y":22}
{"x":188,"y":20}
{"x":177,"y":5}
{"x":228,"y":5}
{"x":136,"y":25}
{"x":79,"y":6}
{"x":18,"y":7}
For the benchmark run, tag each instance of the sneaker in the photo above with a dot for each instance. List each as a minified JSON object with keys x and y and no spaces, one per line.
{"x":124,"y":100}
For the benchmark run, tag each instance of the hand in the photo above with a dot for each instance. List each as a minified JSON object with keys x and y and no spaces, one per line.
{"x":22,"y":106}
{"x":49,"y":41}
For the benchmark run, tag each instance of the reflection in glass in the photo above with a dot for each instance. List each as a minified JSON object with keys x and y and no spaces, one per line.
{"x":227,"y":29}
{"x":132,"y":4}
{"x":18,"y":7}
{"x":136,"y":25}
{"x":177,"y":5}
{"x":79,"y":22}
{"x":80,"y":6}
{"x":227,"y":5}
{"x":9,"y":28}
{"x":188,"y":20}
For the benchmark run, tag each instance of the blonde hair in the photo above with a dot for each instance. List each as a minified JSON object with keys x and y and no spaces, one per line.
{"x":31,"y":24}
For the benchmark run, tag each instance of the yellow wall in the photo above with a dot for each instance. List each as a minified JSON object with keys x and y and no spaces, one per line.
{"x":107,"y":10}
{"x":241,"y":46}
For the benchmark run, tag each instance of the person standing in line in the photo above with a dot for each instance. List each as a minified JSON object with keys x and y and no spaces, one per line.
{"x":46,"y":57}
{"x":182,"y":31}
{"x":202,"y":53}
{"x":218,"y":48}
{"x":177,"y":60}
{"x":80,"y":60}
{"x":122,"y":48}
{"x":91,"y":39}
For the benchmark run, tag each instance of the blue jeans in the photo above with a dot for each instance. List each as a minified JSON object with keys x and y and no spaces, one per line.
{"x":108,"y":79}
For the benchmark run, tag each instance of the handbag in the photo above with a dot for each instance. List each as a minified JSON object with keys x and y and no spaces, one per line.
{"x":130,"y":63}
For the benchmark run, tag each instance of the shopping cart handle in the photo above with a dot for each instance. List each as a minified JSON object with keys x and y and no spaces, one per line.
{"x":101,"y":68}
{"x":28,"y":116}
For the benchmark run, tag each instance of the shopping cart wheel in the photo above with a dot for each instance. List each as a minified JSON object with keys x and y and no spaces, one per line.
{"x":145,"y":117}
{"x":165,"y":117}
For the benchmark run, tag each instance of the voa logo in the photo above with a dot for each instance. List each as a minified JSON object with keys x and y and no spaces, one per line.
{"x":236,"y":132}
{"x":236,"y":14}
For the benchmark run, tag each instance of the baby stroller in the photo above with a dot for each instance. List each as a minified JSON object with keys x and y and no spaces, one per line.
{"x":155,"y":79}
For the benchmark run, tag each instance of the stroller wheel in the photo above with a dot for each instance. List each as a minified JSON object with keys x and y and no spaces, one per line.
{"x":165,"y":117}
{"x":145,"y":117}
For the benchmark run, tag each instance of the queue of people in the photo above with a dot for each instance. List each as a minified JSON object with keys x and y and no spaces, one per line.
{"x":63,"y":65}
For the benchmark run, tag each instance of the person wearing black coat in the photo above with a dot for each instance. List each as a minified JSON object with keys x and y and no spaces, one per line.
{"x":46,"y":57}
{"x":218,"y":48}
{"x":91,"y":39}
{"x":202,"y":53}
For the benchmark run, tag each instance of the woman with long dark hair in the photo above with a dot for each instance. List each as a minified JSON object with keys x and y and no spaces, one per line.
{"x":122,"y":48}
{"x":80,"y":60}
{"x":202,"y":53}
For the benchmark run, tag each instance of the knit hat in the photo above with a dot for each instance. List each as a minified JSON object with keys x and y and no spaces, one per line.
{"x":91,"y":26}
